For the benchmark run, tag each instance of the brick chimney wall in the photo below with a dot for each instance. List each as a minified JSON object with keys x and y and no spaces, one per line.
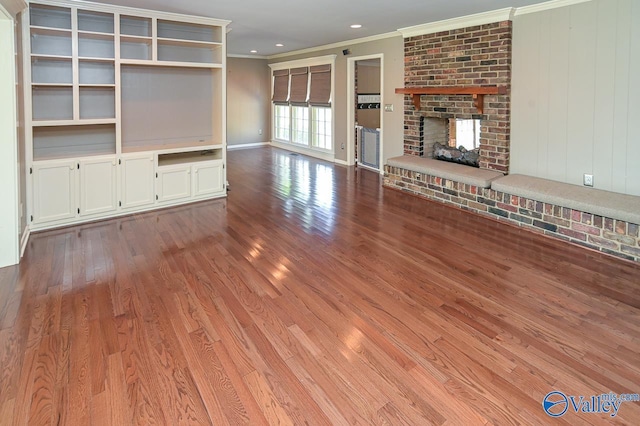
{"x":473,"y":56}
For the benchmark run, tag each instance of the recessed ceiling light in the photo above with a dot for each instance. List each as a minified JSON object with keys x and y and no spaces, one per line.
{"x":356,"y":26}
{"x":279,"y":45}
{"x":254,"y":51}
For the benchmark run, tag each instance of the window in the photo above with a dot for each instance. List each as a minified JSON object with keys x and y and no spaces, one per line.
{"x":321,"y":127}
{"x":302,"y":110}
{"x":300,"y":125}
{"x":282,"y":123}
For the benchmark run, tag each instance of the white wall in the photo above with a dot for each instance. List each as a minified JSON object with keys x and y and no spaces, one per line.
{"x":576,"y":94}
{"x":9,"y":252}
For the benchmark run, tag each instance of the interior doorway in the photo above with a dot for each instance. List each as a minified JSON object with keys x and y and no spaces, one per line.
{"x":365,"y":119}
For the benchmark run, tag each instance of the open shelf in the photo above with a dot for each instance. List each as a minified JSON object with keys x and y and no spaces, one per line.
{"x":189,"y":31}
{"x":73,"y":141}
{"x":45,"y":41}
{"x":96,"y":72}
{"x":95,"y":45}
{"x":96,"y":22}
{"x":51,"y":85}
{"x":52,"y":103}
{"x":50,"y":16}
{"x":51,"y":70}
{"x":59,"y":123}
{"x":185,"y":145}
{"x":180,"y":51}
{"x":135,"y":26}
{"x":136,"y":48}
{"x":97,"y":102}
{"x":187,"y":43}
{"x":189,"y":157}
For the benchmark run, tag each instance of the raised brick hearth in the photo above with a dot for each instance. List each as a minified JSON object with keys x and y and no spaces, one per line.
{"x":473,"y":56}
{"x":615,"y":237}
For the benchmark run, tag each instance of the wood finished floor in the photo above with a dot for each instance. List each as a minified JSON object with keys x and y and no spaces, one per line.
{"x":311,"y":296}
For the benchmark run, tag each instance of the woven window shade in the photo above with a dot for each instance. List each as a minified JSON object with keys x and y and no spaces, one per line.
{"x":299,"y":85}
{"x":320,"y":92}
{"x":280,"y":86}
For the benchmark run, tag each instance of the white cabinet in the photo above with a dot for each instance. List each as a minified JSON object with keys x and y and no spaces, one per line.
{"x":137,"y":181}
{"x":65,"y":189}
{"x":98,"y":186}
{"x":54,"y":194}
{"x":207,"y":178}
{"x":190,"y":175}
{"x":174,"y":183}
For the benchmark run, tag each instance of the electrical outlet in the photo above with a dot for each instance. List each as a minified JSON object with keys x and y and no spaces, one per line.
{"x":341,"y":146}
{"x":588,"y":180}
{"x":388,"y":108}
{"x":260,"y":131}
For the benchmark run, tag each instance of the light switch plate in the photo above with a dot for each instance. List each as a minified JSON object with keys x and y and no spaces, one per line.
{"x":388,"y":107}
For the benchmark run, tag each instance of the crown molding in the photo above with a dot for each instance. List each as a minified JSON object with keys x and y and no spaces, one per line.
{"x":541,"y":7}
{"x":306,"y":62}
{"x":499,"y":15}
{"x":336,"y":45}
{"x":231,"y":55}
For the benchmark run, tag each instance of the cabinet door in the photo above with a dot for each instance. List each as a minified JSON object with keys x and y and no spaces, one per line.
{"x":207,"y":178}
{"x":174,"y":182}
{"x":54,"y":191}
{"x":98,"y":186}
{"x":137,"y":181}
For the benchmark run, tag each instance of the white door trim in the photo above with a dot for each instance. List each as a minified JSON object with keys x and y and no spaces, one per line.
{"x":9,"y":180}
{"x":351,"y":116}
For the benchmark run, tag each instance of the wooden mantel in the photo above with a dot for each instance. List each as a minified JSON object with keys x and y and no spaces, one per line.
{"x":477,"y":92}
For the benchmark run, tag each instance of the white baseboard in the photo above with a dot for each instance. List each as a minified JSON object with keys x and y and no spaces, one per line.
{"x":246,"y":145}
{"x":363,"y":166}
{"x":326,"y":156}
{"x":341,"y":162}
{"x":24,"y":240}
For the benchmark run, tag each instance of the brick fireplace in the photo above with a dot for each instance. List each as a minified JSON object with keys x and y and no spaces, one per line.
{"x":473,"y":56}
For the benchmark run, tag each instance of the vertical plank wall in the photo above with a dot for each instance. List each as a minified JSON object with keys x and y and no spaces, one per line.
{"x":576,"y":94}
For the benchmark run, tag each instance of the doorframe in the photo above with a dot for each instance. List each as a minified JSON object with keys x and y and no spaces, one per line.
{"x":351,"y":113}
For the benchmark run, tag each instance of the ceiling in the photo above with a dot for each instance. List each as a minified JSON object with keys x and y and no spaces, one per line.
{"x":299,"y":24}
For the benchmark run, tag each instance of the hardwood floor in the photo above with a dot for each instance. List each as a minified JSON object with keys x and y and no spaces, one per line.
{"x":312,"y":296}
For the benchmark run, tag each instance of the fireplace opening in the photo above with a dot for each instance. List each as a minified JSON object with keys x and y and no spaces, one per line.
{"x":451,"y":139}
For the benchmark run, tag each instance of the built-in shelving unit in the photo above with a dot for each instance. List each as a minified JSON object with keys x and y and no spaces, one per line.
{"x":125,"y":110}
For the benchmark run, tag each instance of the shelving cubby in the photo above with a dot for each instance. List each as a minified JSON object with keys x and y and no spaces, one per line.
{"x":51,"y":42}
{"x":58,"y":142}
{"x":92,"y":71}
{"x":95,"y":22}
{"x":129,"y":97}
{"x":51,"y":70}
{"x":46,"y":16}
